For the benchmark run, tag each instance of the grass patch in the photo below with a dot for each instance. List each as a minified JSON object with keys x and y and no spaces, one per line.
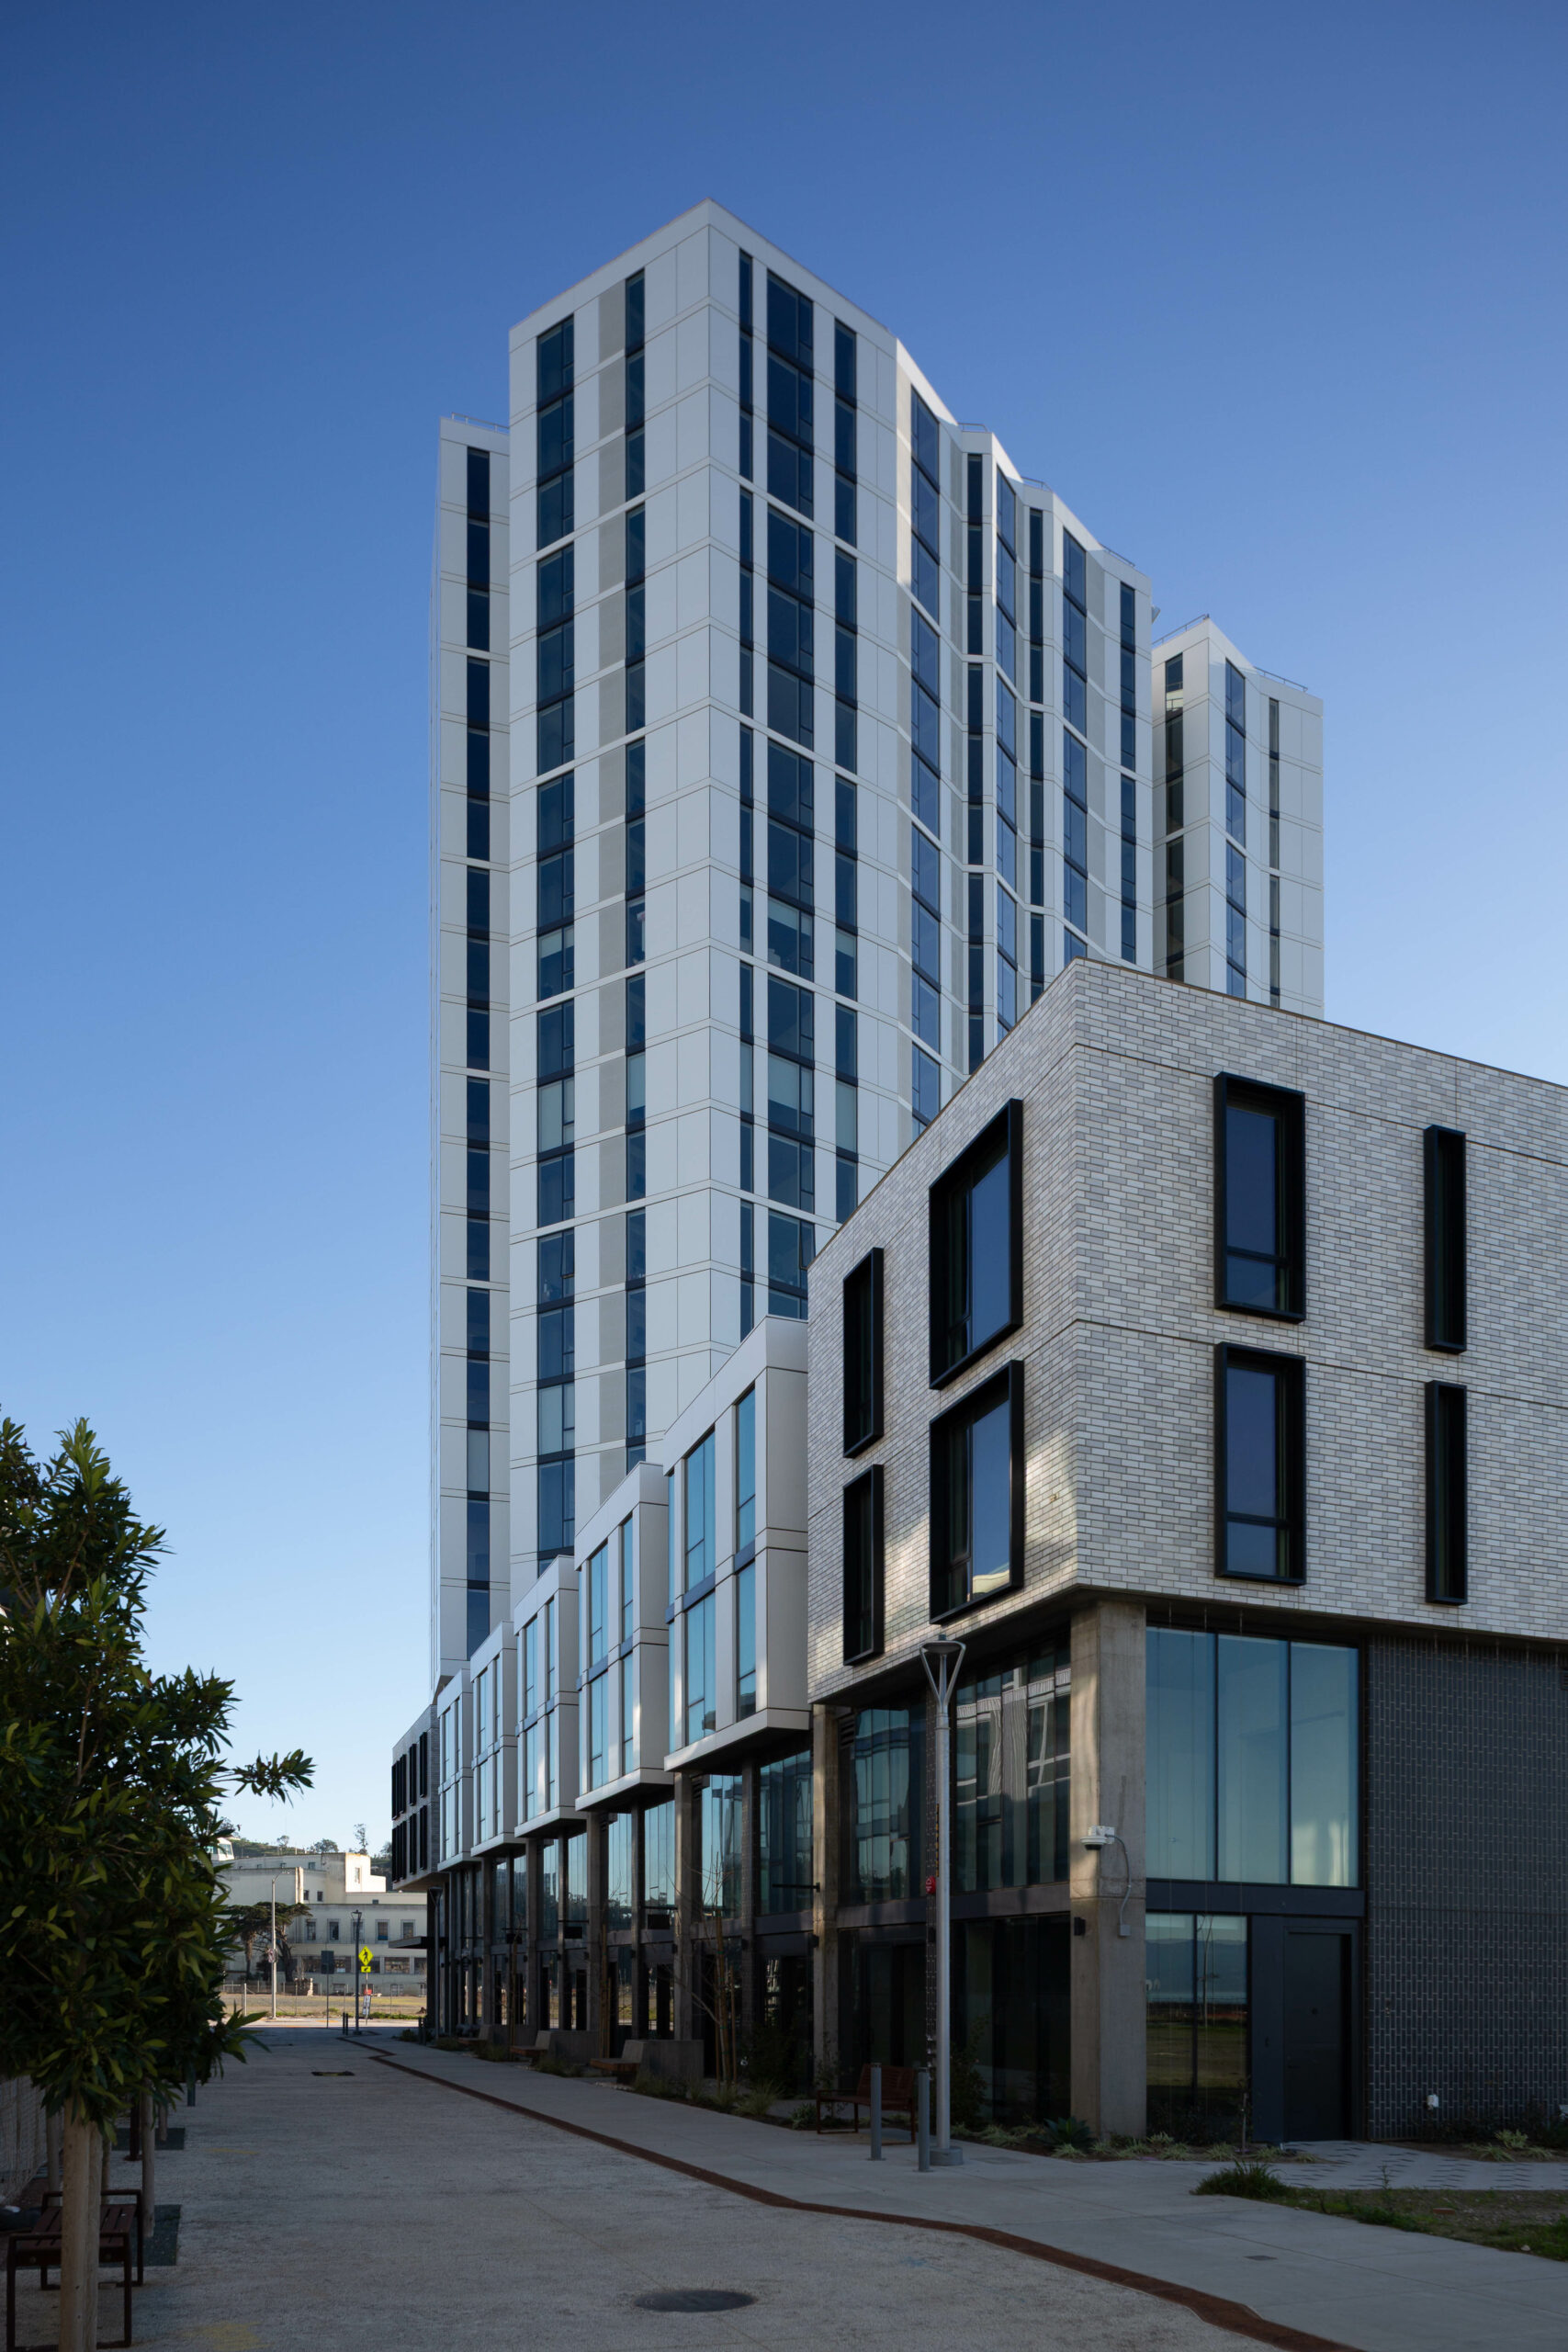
{"x":1245,"y":2177}
{"x":1511,"y":2221}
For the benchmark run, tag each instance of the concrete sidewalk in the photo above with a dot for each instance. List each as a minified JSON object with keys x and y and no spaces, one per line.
{"x":1373,"y":2290}
{"x":331,"y":2201}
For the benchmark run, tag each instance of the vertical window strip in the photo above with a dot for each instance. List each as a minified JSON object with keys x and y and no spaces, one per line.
{"x":1174,"y":797}
{"x":1273,"y":852}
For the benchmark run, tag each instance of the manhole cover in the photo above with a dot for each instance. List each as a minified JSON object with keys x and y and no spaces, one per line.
{"x":693,"y":2299}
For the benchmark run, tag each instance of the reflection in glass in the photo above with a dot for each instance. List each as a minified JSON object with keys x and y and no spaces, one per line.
{"x":1195,"y":1968}
{"x":1251,"y":1782}
{"x":659,"y":1856}
{"x":721,"y":1833}
{"x":1323,"y":1766}
{"x":1180,"y":1754}
{"x":784,"y":1799}
{"x":883,"y":1813}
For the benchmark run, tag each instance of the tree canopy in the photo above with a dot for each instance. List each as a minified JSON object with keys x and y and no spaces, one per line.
{"x":112,"y":1779}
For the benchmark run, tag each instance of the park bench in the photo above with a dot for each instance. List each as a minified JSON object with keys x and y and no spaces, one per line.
{"x":40,"y":2247}
{"x":898,"y":2096}
{"x":624,"y":2070}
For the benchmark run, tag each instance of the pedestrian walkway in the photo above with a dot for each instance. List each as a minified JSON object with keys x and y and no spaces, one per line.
{"x":1306,"y":2276}
{"x":330,"y":2200}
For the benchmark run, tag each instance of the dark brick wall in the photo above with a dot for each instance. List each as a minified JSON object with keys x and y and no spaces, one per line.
{"x":1467,"y":1884}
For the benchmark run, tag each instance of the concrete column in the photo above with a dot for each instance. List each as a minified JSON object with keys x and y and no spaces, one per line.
{"x":688,"y":1899}
{"x":600,"y":2014}
{"x":1108,"y":2067}
{"x":750,"y":1869}
{"x":826,"y":1796}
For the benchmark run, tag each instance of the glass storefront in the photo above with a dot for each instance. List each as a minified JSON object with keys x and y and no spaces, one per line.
{"x":883,"y":1816}
{"x":1195,"y":1970}
{"x":1011,"y":2019}
{"x":1251,"y":1759}
{"x":783,"y":1801}
{"x":1011,"y":1766}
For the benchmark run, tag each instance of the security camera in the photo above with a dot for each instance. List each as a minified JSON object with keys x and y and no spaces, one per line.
{"x":1101,"y":1835}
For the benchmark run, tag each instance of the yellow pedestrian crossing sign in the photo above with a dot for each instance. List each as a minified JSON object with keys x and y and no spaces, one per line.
{"x":365,"y":1959}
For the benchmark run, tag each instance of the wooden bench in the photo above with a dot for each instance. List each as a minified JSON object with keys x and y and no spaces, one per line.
{"x":624,"y":2070}
{"x":898,"y":2096}
{"x":42,"y":2246}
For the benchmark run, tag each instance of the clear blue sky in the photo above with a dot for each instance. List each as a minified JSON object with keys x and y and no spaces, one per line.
{"x":1273,"y":298}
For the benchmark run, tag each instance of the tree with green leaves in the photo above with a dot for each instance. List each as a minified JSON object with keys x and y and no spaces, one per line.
{"x":113,"y":1931}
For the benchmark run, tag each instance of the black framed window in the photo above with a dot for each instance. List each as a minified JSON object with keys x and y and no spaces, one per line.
{"x":1444,"y":1151}
{"x":863,"y":1354}
{"x":862,"y":1566}
{"x":1260,"y":1198}
{"x":977,"y":1504}
{"x":976,"y":1246}
{"x":1447,"y":1492}
{"x":1260,"y":1462}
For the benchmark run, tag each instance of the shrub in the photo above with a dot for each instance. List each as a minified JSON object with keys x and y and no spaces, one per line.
{"x":657,"y":2085}
{"x":1245,"y":2177}
{"x":549,"y":2064}
{"x":803,"y":2118}
{"x":1068,"y":2132}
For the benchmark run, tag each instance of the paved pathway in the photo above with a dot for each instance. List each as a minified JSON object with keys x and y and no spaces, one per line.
{"x":1306,"y":2275}
{"x":349,"y":2213}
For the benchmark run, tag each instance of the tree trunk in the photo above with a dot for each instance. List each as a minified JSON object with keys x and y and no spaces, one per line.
{"x":148,"y":2143}
{"x":83,"y":2170}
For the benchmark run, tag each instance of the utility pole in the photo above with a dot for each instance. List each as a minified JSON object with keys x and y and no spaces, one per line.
{"x":273,"y":1946}
{"x":357,"y":1918}
{"x":942,"y":1660}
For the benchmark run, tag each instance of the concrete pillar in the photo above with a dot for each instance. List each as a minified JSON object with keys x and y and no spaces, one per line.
{"x":600,"y":2011}
{"x":751,"y":1873}
{"x":827,"y":1846}
{"x":1108,"y":2067}
{"x":688,"y":1901}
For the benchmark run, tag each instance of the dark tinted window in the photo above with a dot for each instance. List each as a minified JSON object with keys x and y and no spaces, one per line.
{"x":1445,"y":1173}
{"x":1260,"y":1185}
{"x":555,"y":361}
{"x":976,"y":1246}
{"x":478,"y":487}
{"x":863,"y":1354}
{"x":976,"y":1505}
{"x":1446,"y":1491}
{"x":1260,"y":1465}
{"x":863,"y":1564}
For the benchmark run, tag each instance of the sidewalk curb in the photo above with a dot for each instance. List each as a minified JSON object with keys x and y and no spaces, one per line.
{"x":1238,"y":2319}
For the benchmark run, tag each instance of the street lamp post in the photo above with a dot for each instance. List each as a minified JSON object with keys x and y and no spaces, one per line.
{"x":353,"y":1963}
{"x":942,"y":1660}
{"x":272,"y":1948}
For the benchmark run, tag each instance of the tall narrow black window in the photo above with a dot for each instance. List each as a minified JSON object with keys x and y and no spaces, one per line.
{"x":1260,"y":1465}
{"x":555,"y":427}
{"x":1260,"y":1198}
{"x":1447,"y":1547}
{"x":863,"y":1354}
{"x":1445,"y":1240}
{"x":862,"y":1566}
{"x":976,"y":1495}
{"x":977,"y":1247}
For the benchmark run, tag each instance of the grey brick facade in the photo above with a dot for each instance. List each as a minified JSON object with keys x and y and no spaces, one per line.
{"x":1467,"y":1872}
{"x":1465,"y":1720}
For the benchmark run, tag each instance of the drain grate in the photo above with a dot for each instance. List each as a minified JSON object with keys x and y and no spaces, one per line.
{"x":693,"y":2299}
{"x":331,"y":2073}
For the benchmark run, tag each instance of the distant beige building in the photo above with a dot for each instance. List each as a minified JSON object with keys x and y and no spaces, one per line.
{"x":333,"y":1887}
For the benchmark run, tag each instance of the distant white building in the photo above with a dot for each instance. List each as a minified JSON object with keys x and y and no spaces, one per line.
{"x":334,"y":1888}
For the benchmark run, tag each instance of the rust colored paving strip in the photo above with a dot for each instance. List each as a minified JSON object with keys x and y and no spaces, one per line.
{"x":1238,"y":2318}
